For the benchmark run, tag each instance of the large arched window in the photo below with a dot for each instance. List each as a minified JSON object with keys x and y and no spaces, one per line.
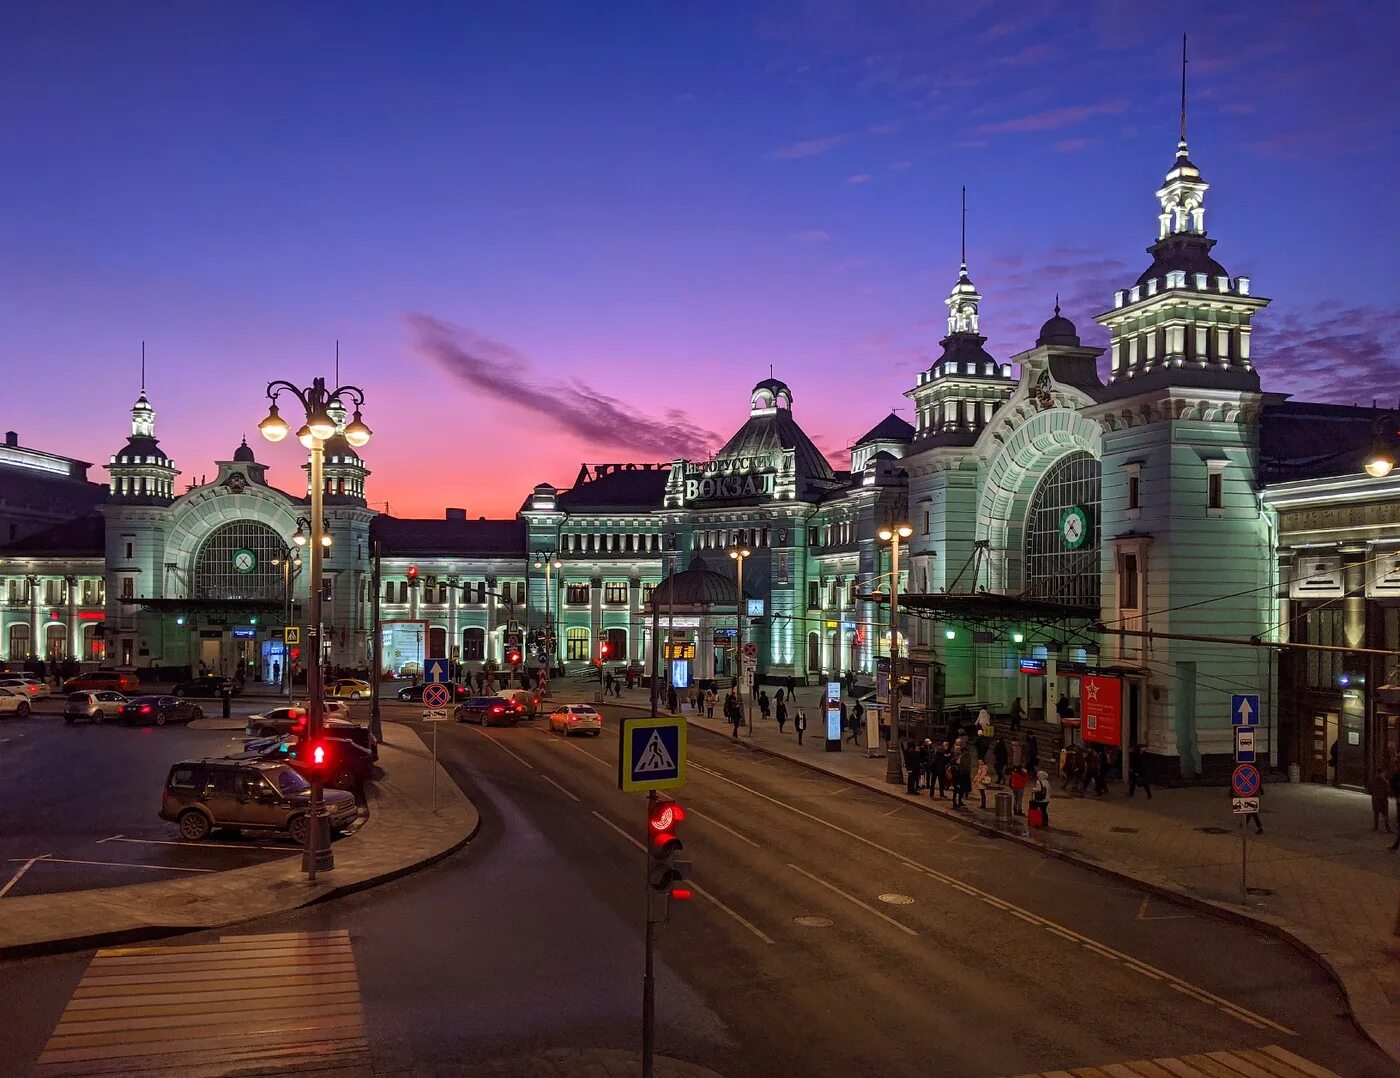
{"x":473,"y":644}
{"x":1062,"y":534}
{"x":236,"y":562}
{"x":576,"y":644}
{"x":19,"y":641}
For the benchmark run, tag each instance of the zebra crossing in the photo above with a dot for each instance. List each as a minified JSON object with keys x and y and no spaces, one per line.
{"x":1270,"y":1061}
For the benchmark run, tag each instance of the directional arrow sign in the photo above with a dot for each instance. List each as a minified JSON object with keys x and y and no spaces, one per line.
{"x":1244,"y":709}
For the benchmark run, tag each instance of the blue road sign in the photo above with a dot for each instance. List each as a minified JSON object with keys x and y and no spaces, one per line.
{"x":651,"y":754}
{"x":1244,"y":745}
{"x":434,"y":670}
{"x":1244,"y":709}
{"x":1245,"y":781}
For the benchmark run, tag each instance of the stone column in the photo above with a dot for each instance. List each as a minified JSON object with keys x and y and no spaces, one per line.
{"x":495,"y":649}
{"x":705,"y":648}
{"x":35,"y":643}
{"x":75,"y":641}
{"x":595,"y":604}
{"x":454,"y":631}
{"x":634,"y":618}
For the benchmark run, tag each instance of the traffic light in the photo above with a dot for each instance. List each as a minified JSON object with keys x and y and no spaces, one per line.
{"x":310,"y":759}
{"x":413,"y":572}
{"x":666,"y":870}
{"x":513,"y":657}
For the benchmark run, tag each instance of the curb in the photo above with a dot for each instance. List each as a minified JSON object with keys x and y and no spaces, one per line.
{"x":1264,"y":923}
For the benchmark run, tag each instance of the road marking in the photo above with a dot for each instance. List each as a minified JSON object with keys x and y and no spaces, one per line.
{"x":197,"y":845}
{"x":723,"y":827}
{"x":1270,"y":1061}
{"x":1135,"y":964}
{"x":852,"y":898}
{"x":510,"y":752}
{"x":693,"y":885}
{"x":561,"y":789}
{"x":118,"y":864}
{"x":20,"y":872}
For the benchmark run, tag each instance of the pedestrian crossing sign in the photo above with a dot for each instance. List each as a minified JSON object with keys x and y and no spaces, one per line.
{"x":651,"y":754}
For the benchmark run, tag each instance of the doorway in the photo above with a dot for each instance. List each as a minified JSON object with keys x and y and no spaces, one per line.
{"x":1325,"y":728}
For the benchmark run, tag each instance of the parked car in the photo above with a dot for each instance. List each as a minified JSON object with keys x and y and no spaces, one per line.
{"x":348,"y":764}
{"x":569,"y":719}
{"x":93,"y":680}
{"x":354,"y":688}
{"x":14,"y":702}
{"x":414,"y":693}
{"x":247,"y":795}
{"x":284,"y":720}
{"x":32,"y":687}
{"x":160,"y":710}
{"x":209,"y":686}
{"x":93,"y":706}
{"x":487,"y":710}
{"x":529,"y":702}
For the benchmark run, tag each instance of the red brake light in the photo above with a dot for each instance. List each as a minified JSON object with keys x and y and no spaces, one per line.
{"x":145,"y":708}
{"x":681,"y":894}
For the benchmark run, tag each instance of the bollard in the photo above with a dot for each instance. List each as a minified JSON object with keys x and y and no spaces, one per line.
{"x":1004,"y":807}
{"x":228,"y":709}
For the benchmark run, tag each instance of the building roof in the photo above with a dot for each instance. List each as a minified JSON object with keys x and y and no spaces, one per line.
{"x":892,"y":428}
{"x":1298,"y":440}
{"x":617,"y":487}
{"x":244,"y":453}
{"x":1186,"y":251}
{"x":82,"y":537}
{"x":697,"y":585}
{"x":773,"y":433}
{"x":1058,"y":330}
{"x":400,"y":537}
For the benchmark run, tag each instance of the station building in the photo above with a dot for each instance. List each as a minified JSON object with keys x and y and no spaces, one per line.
{"x":1110,"y":530}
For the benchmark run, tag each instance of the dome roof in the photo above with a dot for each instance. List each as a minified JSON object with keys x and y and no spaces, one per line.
{"x":1187,"y":252}
{"x":244,"y":453}
{"x":337,"y":445}
{"x":769,"y":393}
{"x":1058,"y":330}
{"x":699,"y":585}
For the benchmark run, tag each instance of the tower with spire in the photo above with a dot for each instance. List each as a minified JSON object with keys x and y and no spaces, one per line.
{"x":957,"y":396}
{"x":140,"y":473}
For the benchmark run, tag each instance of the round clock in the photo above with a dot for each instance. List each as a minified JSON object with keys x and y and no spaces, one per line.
{"x":1074,"y":527}
{"x":244,"y":560}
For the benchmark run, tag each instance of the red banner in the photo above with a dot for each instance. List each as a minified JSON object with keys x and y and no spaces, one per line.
{"x":1101,"y":701}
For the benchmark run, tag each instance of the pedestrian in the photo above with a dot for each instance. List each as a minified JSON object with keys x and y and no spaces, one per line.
{"x":631,"y":679}
{"x":709,"y":703}
{"x":799,"y":724}
{"x":984,"y":722}
{"x":736,"y":714}
{"x":1001,"y":757}
{"x":942,"y":768}
{"x":1040,"y":798}
{"x":1017,"y":714}
{"x":982,"y":781}
{"x":925,"y":762}
{"x":692,"y":697}
{"x":671,"y":700}
{"x":276,"y":672}
{"x":781,"y":711}
{"x":763,"y":704}
{"x":845,"y":722}
{"x":1032,"y":752}
{"x":911,"y":768}
{"x":1063,"y":708}
{"x":778,"y":696}
{"x":964,"y":774}
{"x":1258,"y":827}
{"x":1019,"y":778}
{"x":858,"y":716}
{"x":1137,"y":772}
{"x":607,"y":683}
{"x":1379,"y":790}
{"x":1090,"y":772}
{"x":791,"y":687}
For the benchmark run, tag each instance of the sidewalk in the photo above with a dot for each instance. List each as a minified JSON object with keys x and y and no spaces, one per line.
{"x":402,"y":833}
{"x":1318,"y":875}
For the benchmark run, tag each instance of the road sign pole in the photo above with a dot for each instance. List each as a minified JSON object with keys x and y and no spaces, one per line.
{"x":435,"y":769}
{"x":648,"y":980}
{"x":1244,"y":859}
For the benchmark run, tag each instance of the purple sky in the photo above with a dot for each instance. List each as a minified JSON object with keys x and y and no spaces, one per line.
{"x":553,"y":233}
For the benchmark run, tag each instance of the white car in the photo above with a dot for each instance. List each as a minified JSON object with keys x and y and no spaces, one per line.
{"x":330,"y":708}
{"x":93,"y":706}
{"x":31,"y":687}
{"x":571,"y":719}
{"x":14,"y":702}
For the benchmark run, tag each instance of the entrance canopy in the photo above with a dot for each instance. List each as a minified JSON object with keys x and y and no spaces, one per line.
{"x":211,"y":608}
{"x":1002,"y":614}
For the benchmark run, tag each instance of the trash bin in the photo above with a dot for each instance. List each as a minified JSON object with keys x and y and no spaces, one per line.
{"x":1294,"y":775}
{"x":228,"y":710}
{"x":1004,"y":807}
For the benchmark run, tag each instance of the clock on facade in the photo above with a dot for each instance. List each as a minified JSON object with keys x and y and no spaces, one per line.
{"x":244,"y":560}
{"x":1074,"y":527}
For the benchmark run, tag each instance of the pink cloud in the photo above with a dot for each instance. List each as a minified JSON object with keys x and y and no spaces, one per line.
{"x":812,"y":147}
{"x":859,"y":177}
{"x":1070,"y":145}
{"x":1052,"y":119}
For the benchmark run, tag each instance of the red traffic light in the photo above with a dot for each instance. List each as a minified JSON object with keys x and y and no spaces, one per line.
{"x":513,"y":657}
{"x":603,"y":650}
{"x":413,"y":572}
{"x":666,"y":815}
{"x":318,"y":755}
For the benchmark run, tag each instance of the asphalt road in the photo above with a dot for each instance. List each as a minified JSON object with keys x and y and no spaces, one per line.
{"x":835,"y":932}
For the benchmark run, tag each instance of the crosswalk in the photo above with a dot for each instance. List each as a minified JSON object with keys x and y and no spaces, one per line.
{"x":1270,"y":1061}
{"x":243,"y":1004}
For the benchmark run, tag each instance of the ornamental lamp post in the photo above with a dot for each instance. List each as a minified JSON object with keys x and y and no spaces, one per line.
{"x":1381,"y":459}
{"x":894,"y":767}
{"x":548,"y":560}
{"x":290,"y":563}
{"x":740,"y":551}
{"x":316,"y":402}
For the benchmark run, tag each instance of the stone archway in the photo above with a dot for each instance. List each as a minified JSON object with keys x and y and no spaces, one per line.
{"x":198,"y":514}
{"x":1010,"y":479}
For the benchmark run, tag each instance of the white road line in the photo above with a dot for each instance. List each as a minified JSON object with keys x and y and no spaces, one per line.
{"x":723,"y":827}
{"x":121,"y":864}
{"x":561,"y":789}
{"x":852,"y":898}
{"x":20,"y":872}
{"x":1233,"y":1009}
{"x":197,"y":845}
{"x":620,"y":831}
{"x":500,"y":746}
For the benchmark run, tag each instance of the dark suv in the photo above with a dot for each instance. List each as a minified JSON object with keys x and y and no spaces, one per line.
{"x":246,"y":795}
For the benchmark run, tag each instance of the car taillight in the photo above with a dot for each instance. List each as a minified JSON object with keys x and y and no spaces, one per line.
{"x":573,"y":718}
{"x":145,"y":708}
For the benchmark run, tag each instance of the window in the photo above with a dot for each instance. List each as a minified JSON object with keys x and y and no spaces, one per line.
{"x":782,"y":568}
{"x":388,"y":591}
{"x":1062,"y":533}
{"x":1215,"y":493}
{"x":1133,"y":492}
{"x":647,"y":588}
{"x":19,"y":642}
{"x":184,"y":778}
{"x":1324,"y":626}
{"x":127,"y":546}
{"x":480,"y":591}
{"x":616,"y":639}
{"x":813,"y":537}
{"x":240,"y":560}
{"x":403,"y":591}
{"x":926,"y":522}
{"x":520,"y":592}
{"x":576,"y":593}
{"x":437,"y":642}
{"x":17,"y":591}
{"x":1128,"y":583}
{"x":327,"y":589}
{"x":576,"y":642}
{"x":128,"y":587}
{"x":615,"y":592}
{"x":55,"y":642}
{"x":814,"y":595}
{"x":473,"y":645}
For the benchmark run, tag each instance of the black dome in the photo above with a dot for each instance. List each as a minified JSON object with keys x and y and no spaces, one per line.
{"x":244,"y":453}
{"x":1058,"y":330}
{"x":698,"y":585}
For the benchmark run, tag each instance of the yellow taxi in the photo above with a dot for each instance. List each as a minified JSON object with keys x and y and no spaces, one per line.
{"x":351,"y":687}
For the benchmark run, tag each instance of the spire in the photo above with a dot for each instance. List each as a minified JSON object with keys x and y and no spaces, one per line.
{"x":962,"y":301}
{"x":143,"y":368}
{"x":1183,"y":195}
{"x":964,"y":229}
{"x":1057,"y":305}
{"x":1183,"y":92}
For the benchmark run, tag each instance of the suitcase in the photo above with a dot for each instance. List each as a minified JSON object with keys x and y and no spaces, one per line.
{"x":1035,"y":817}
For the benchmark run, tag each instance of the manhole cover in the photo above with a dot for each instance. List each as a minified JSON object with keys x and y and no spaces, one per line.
{"x":897,"y":900}
{"x":1263,"y":892}
{"x":813,"y":922}
{"x":1213,"y":830}
{"x":1125,"y":830}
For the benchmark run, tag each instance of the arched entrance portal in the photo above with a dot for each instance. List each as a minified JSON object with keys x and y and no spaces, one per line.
{"x":238,"y":590}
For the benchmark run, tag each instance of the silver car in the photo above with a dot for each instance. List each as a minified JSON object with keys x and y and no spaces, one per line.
{"x":571,"y":719}
{"x":96,"y":706}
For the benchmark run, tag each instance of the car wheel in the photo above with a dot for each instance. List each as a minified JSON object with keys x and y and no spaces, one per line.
{"x":68,"y":719}
{"x":354,"y":696}
{"x":345,"y":780}
{"x":160,"y":719}
{"x":198,"y":714}
{"x":23,"y":710}
{"x":194,"y":825}
{"x":98,"y":717}
{"x":298,"y":829}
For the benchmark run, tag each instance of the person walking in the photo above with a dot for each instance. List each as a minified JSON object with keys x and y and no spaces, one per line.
{"x":984,"y":722}
{"x":942,"y":762}
{"x":671,"y":700}
{"x":1090,"y":772}
{"x":911,"y":768}
{"x":791,"y":687}
{"x":781,"y":711}
{"x":1032,"y":752}
{"x":1018,"y":781}
{"x":982,"y":782}
{"x":709,"y":703}
{"x":1063,"y":708}
{"x":1379,"y":789}
{"x":858,"y":716}
{"x":1137,"y":772}
{"x":1017,"y":714}
{"x":845,"y":722}
{"x":736,"y":713}
{"x":799,"y":724}
{"x":276,"y":672}
{"x":1001,"y":756}
{"x":764,"y":704}
{"x":1332,"y":761}
{"x":778,"y":696}
{"x":1040,"y":797}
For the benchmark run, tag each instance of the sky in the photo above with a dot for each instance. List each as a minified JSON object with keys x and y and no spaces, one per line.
{"x":547,"y":234}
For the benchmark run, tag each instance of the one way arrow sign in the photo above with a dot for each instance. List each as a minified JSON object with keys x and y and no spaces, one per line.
{"x":1244,"y":710}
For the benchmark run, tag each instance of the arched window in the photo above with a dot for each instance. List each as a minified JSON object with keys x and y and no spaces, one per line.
{"x":94,"y":648}
{"x":437,"y":642}
{"x":473,"y":645}
{"x":55,"y":642}
{"x":576,"y":644}
{"x":236,"y":562}
{"x":1062,"y":534}
{"x":19,"y":642}
{"x":814,"y":651}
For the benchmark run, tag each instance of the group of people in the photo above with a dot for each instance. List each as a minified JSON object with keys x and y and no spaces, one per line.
{"x":964,"y":764}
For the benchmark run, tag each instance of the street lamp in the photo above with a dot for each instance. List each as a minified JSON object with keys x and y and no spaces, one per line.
{"x":290,"y":563}
{"x":317,"y":403}
{"x":892,"y":534}
{"x":739,"y":551}
{"x":548,"y":560}
{"x":1381,"y":459}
